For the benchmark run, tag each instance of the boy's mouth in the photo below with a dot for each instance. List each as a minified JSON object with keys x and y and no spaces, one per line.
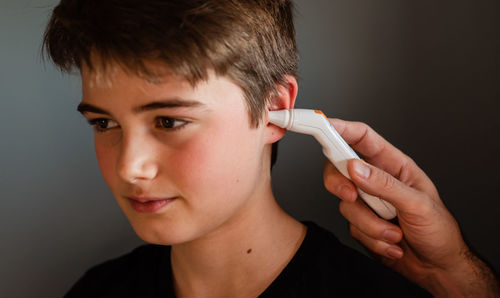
{"x":149,"y":205}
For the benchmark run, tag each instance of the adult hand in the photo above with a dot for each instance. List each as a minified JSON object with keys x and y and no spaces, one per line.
{"x":426,"y":246}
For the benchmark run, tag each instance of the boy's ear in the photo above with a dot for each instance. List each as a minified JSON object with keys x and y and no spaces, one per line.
{"x":284,"y":100}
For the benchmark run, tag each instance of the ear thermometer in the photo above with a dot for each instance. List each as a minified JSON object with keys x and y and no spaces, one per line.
{"x":315,"y":123}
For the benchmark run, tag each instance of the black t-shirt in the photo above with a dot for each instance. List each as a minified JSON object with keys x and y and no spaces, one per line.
{"x":322,"y":267}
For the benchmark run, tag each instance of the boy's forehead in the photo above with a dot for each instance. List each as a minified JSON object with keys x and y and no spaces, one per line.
{"x":115,"y":81}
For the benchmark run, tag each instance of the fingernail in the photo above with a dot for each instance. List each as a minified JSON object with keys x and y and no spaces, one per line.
{"x":361,"y":169}
{"x":395,"y":253}
{"x":346,"y":193}
{"x":391,"y":236}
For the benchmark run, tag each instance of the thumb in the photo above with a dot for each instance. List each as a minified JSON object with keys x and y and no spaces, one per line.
{"x":379,"y":183}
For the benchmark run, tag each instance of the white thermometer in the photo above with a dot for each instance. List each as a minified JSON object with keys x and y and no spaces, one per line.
{"x":315,"y":123}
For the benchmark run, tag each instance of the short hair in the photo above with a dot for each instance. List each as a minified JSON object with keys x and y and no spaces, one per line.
{"x":250,"y":41}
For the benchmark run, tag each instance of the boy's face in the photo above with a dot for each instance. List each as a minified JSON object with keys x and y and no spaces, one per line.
{"x":180,"y":161}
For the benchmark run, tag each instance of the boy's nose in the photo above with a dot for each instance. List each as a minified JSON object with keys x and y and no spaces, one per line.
{"x":137,"y":160}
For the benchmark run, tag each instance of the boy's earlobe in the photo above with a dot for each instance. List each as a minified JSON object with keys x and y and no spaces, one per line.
{"x":284,"y":100}
{"x":274,"y":133}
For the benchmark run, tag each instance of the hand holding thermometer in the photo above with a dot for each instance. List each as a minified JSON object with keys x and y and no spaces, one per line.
{"x":315,"y":123}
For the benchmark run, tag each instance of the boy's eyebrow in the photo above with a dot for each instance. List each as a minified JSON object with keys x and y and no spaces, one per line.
{"x":168,"y":103}
{"x":88,"y":108}
{"x":160,"y":104}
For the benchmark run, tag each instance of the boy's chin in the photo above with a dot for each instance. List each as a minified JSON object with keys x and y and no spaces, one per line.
{"x":160,"y":235}
{"x":165,"y":231}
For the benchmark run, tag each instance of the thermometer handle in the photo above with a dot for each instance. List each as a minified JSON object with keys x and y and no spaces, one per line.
{"x":315,"y":123}
{"x":381,"y":207}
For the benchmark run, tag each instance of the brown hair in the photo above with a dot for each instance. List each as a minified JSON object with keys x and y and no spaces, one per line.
{"x":250,"y":41}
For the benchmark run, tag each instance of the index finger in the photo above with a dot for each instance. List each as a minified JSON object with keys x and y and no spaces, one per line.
{"x":379,"y":152}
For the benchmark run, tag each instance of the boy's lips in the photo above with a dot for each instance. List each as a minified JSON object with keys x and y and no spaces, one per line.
{"x":149,"y":199}
{"x":149,"y":204}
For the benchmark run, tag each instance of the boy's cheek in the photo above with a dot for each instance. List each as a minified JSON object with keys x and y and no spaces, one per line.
{"x":201,"y":159}
{"x":106,"y":162}
{"x":215,"y":160}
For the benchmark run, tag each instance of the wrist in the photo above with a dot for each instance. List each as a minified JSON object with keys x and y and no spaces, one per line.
{"x":469,"y":277}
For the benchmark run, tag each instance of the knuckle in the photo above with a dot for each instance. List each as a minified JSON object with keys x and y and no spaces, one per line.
{"x":388,"y":182}
{"x":407,"y":164}
{"x":421,"y":204}
{"x":367,"y":129}
{"x":425,"y":203}
{"x":372,"y":229}
{"x":363,"y":125}
{"x":363,"y":129}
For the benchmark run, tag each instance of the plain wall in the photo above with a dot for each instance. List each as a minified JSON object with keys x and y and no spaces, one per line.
{"x":424,"y":74}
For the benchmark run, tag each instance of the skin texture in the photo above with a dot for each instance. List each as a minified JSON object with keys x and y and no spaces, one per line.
{"x":222,"y":222}
{"x":427,"y":246}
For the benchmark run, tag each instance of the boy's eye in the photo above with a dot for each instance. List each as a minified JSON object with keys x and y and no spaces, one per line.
{"x":102,"y":124}
{"x":169,"y":123}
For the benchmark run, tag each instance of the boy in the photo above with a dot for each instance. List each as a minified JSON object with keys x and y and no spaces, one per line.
{"x":178,"y":94}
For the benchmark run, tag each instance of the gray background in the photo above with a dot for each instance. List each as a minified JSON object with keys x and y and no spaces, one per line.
{"x":425,"y":74}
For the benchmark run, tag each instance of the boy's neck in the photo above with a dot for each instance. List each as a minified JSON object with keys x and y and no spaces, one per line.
{"x":242,"y":257}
